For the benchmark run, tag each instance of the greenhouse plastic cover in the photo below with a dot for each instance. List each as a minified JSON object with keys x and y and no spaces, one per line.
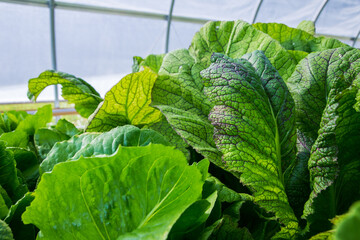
{"x":96,"y":39}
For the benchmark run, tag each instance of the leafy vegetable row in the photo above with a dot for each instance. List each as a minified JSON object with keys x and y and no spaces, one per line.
{"x":265,"y":121}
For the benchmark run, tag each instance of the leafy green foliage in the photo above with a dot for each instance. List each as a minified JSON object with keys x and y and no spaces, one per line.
{"x":5,"y":231}
{"x":347,"y":228}
{"x":227,"y":229}
{"x":236,"y":38}
{"x":8,"y":174}
{"x":100,"y":200}
{"x":93,"y":144}
{"x":327,"y":81}
{"x":273,"y":110}
{"x":298,"y":39}
{"x":74,"y":89}
{"x":45,"y":138}
{"x":127,"y":103}
{"x":178,"y":94}
{"x":152,"y":61}
{"x":13,"y":219}
{"x":307,"y":26}
{"x":10,"y":120}
{"x":21,"y":149}
{"x":252,"y":106}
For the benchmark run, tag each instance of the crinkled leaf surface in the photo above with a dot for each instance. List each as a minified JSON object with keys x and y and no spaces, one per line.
{"x":254,"y":120}
{"x":298,"y":180}
{"x":310,"y":86}
{"x":170,"y":135}
{"x":324,"y":90}
{"x":334,"y":162}
{"x":178,"y":94}
{"x":311,"y":83}
{"x":234,"y":39}
{"x":92,"y":144}
{"x":74,"y":89}
{"x":297,"y":39}
{"x":195,"y":130}
{"x":8,"y":174}
{"x":127,"y":103}
{"x":137,"y":193}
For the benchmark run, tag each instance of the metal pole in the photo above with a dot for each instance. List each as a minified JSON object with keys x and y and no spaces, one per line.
{"x":169,"y":17}
{"x":53,"y":48}
{"x":355,"y":39}
{"x":320,"y":10}
{"x":257,"y":11}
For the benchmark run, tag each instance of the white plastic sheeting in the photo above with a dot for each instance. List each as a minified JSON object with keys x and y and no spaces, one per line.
{"x":98,"y":45}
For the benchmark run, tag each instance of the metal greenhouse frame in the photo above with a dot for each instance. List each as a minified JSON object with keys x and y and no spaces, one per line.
{"x":52,"y":5}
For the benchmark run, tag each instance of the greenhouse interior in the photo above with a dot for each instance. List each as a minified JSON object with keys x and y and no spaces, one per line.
{"x":180,"y":119}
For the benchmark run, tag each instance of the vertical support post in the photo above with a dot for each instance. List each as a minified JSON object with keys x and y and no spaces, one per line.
{"x":355,"y":39}
{"x":53,"y":48}
{"x":257,"y":11}
{"x":316,"y":17}
{"x":169,"y":18}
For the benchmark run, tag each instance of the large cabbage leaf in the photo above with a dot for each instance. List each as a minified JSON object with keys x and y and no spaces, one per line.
{"x":127,"y":103}
{"x":254,"y":125}
{"x":178,"y":94}
{"x":137,"y":193}
{"x":74,"y":89}
{"x":92,"y":144}
{"x":310,"y":85}
{"x":234,"y":39}
{"x":324,"y":87}
{"x":297,"y":39}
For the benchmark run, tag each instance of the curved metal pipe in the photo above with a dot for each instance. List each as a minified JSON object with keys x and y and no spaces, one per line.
{"x":169,"y":18}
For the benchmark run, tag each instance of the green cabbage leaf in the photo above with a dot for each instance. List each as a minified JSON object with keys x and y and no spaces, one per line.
{"x":127,"y":103}
{"x":254,"y":125}
{"x":93,"y":144}
{"x":74,"y":89}
{"x":138,"y":192}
